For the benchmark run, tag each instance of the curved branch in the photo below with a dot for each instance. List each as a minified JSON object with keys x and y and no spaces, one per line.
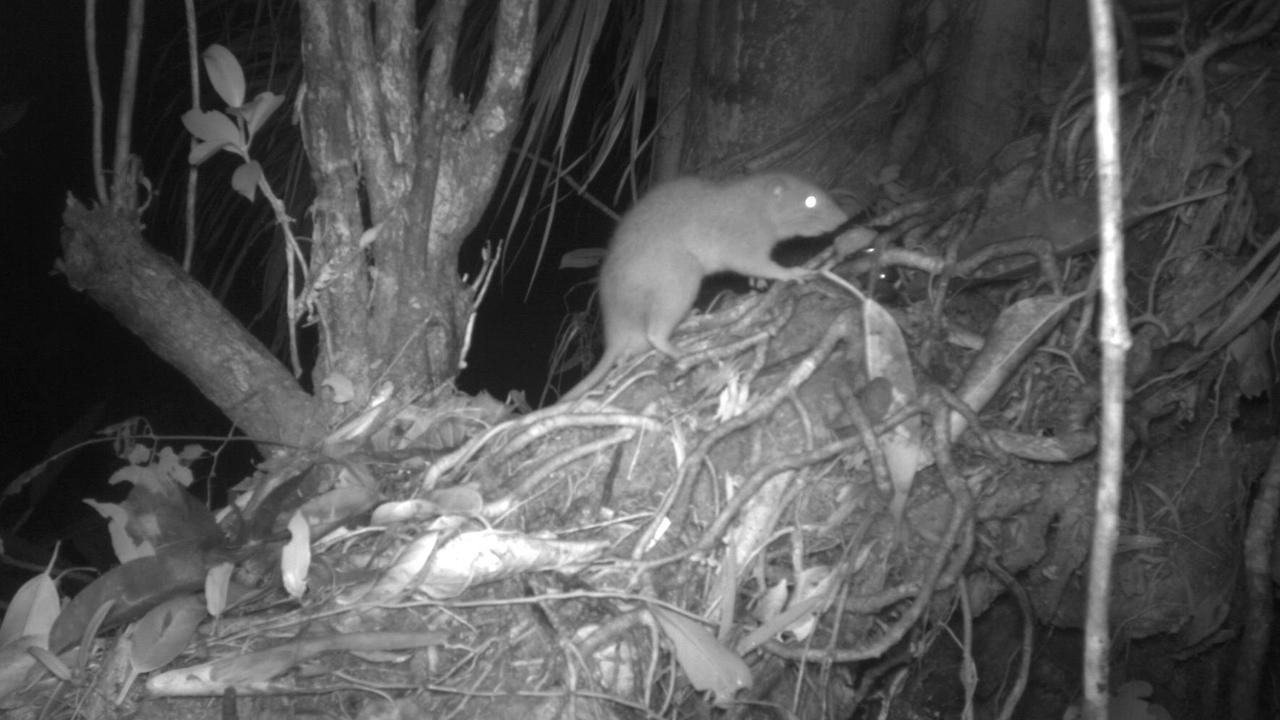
{"x":479,"y":151}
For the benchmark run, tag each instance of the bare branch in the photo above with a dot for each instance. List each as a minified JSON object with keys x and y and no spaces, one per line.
{"x":124,"y":112}
{"x":95,"y":89}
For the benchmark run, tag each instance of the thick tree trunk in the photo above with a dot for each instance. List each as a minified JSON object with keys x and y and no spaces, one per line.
{"x":767,"y":82}
{"x":1009,"y":56}
{"x":427,"y":164}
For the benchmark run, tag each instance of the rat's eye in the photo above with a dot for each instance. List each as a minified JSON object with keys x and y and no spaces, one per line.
{"x":811,"y":202}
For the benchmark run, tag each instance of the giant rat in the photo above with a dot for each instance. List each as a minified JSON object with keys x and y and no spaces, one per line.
{"x":680,"y":232}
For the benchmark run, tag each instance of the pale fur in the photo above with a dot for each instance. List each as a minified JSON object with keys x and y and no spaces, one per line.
{"x":684,"y":230}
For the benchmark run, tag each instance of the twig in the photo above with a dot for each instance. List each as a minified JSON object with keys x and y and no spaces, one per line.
{"x":968,"y":672}
{"x":1115,"y":341}
{"x":491,"y":257}
{"x":1028,"y":637}
{"x":189,"y":249}
{"x":683,"y":488}
{"x":123,"y":179}
{"x":933,"y":576}
{"x":1258,"y":539}
{"x":1046,"y":174}
{"x":575,"y":453}
{"x":95,"y":90}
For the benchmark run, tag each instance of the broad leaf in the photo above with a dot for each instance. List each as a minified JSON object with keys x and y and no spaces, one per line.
{"x":225,"y":74}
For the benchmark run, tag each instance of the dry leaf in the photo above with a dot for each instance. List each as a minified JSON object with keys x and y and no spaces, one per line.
{"x":708,"y":664}
{"x":164,"y":632}
{"x":1017,"y":332}
{"x":31,"y":612}
{"x":295,"y":557}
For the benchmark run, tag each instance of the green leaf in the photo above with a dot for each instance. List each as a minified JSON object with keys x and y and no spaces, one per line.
{"x":260,"y":109}
{"x":245,"y":179}
{"x":225,"y":74}
{"x":215,"y":131}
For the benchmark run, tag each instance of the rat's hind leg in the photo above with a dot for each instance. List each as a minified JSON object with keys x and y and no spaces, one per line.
{"x":668,"y":306}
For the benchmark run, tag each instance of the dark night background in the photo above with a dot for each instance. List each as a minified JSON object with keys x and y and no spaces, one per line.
{"x":64,"y":361}
{"x":62,"y":355}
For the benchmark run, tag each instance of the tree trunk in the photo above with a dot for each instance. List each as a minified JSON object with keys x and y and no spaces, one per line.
{"x":396,"y":309}
{"x":768,"y":80}
{"x":403,"y":170}
{"x":839,"y":91}
{"x":1010,"y":56}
